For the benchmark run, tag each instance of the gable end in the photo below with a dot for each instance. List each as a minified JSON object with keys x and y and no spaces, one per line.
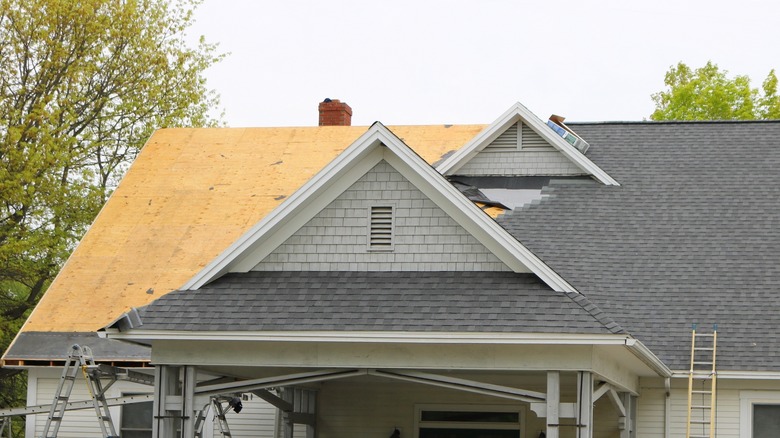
{"x":382,"y":222}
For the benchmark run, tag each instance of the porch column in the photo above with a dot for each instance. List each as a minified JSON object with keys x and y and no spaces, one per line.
{"x":553,"y":403}
{"x":627,"y":424}
{"x":188,"y":410}
{"x":167,"y":403}
{"x":584,"y":404}
{"x":288,"y":395}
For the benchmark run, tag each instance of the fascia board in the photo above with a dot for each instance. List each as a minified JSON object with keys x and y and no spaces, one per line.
{"x":468,"y":215}
{"x":512,"y":115}
{"x":734,"y":375}
{"x":372,"y":337}
{"x":360,"y":148}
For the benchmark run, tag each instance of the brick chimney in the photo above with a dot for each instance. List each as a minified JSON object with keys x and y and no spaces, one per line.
{"x":334,"y":112}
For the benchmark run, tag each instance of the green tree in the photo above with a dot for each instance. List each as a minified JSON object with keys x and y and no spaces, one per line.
{"x":708,"y":93}
{"x":82,"y":85}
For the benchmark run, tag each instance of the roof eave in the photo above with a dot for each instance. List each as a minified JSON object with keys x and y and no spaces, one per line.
{"x":148,"y":335}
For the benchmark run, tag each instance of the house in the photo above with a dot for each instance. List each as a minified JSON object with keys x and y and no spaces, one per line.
{"x":509,"y":280}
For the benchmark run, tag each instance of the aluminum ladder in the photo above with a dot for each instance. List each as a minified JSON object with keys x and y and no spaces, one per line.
{"x":6,"y":428}
{"x":73,"y":364}
{"x":702,"y":384}
{"x":80,"y":359}
{"x":219,"y":414}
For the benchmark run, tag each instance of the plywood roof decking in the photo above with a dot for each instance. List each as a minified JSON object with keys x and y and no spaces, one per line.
{"x":188,"y":196}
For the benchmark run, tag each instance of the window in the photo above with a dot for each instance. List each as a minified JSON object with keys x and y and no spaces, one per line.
{"x":380,"y":228}
{"x":136,"y":420}
{"x":766,"y":421}
{"x":760,"y":414}
{"x":477,"y":421}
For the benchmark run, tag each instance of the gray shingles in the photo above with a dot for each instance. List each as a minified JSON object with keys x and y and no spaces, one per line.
{"x":419,"y":301}
{"x":31,"y":346}
{"x":692,"y":235}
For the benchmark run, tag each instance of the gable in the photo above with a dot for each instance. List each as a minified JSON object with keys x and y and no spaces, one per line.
{"x":519,"y":151}
{"x":376,"y":145}
{"x":500,"y":160}
{"x":424,"y":237}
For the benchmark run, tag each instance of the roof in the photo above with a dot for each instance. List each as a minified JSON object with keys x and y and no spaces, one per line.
{"x":377,"y":144}
{"x":47,"y":348}
{"x":377,"y":301}
{"x":187,"y":197}
{"x":692,"y":235}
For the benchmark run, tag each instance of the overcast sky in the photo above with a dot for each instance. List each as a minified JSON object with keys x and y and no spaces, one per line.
{"x":455,"y":61}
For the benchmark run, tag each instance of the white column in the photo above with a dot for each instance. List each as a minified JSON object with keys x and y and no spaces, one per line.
{"x":167,"y":404}
{"x":584,"y":404}
{"x":627,"y":424}
{"x":189,"y":410}
{"x":553,"y":403}
{"x":288,"y":395}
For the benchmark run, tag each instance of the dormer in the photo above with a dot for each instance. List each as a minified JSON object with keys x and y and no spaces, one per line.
{"x":520,"y":144}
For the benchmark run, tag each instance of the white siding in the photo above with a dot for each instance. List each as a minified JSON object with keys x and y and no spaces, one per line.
{"x":424,"y":237}
{"x":82,"y":423}
{"x":651,"y":407}
{"x":256,"y":419}
{"x":535,"y":157}
{"x":650,"y":413}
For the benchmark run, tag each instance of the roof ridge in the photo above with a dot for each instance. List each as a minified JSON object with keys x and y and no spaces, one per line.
{"x":597,"y":314}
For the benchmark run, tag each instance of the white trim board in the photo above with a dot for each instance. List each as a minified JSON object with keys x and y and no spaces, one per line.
{"x":746,"y":401}
{"x":519,"y":112}
{"x":376,"y":144}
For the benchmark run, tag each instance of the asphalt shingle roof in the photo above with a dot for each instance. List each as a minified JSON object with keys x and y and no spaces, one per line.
{"x":692,"y":235}
{"x":383,"y":301}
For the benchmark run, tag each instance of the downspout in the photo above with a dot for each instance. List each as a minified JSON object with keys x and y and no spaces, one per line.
{"x":667,"y":405}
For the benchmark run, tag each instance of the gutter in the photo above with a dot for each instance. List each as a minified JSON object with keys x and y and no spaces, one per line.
{"x":136,"y":335}
{"x":648,"y":357}
{"x":735,"y":375}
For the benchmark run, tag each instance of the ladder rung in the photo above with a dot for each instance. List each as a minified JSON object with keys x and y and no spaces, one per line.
{"x":703,"y":348}
{"x":699,"y":391}
{"x":705,"y":335}
{"x":701,"y":407}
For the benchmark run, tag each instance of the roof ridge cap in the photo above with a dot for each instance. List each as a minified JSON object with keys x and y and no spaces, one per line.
{"x":596,"y":312}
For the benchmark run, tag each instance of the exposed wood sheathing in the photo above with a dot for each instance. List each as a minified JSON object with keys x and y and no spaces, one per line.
{"x":189,"y":195}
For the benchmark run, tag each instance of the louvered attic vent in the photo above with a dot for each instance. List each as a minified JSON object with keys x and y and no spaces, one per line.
{"x":519,"y":137}
{"x":380,"y":233}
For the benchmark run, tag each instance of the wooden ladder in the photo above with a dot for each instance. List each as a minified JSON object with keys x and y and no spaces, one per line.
{"x":702,"y":397}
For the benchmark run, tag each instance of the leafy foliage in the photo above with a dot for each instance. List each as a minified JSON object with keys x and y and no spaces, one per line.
{"x":82,"y":86}
{"x":708,"y":93}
